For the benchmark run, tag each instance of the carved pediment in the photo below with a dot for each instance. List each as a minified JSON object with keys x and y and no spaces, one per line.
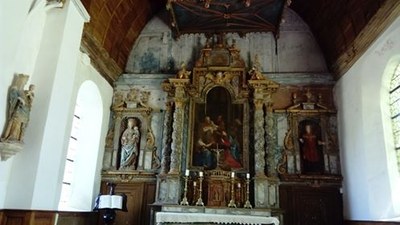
{"x":310,"y":103}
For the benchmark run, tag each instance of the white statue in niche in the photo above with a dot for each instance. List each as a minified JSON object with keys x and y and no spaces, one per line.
{"x":130,"y":145}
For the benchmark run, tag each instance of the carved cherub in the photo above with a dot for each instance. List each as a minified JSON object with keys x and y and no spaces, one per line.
{"x":220,"y":77}
{"x":119,"y":102}
{"x":144,"y":98}
{"x":132,"y":95}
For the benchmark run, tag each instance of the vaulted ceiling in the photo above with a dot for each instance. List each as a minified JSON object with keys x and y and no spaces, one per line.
{"x":343,"y":28}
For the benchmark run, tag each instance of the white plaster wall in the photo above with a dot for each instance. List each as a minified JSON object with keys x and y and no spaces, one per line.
{"x":35,"y":173}
{"x":371,"y":179}
{"x":155,"y":51}
{"x":13,"y":15}
{"x":32,"y":178}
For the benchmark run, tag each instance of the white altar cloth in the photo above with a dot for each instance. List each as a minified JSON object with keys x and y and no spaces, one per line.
{"x":174,"y":217}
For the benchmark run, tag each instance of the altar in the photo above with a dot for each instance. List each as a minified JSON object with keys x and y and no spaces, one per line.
{"x":210,"y":215}
{"x":222,"y":143}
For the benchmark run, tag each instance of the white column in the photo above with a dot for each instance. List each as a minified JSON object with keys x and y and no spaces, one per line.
{"x":37,"y":171}
{"x":12,"y":18}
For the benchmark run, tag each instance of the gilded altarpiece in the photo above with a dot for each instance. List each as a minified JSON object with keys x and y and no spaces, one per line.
{"x":220,"y":101}
{"x":218,"y":118}
{"x":219,"y":121}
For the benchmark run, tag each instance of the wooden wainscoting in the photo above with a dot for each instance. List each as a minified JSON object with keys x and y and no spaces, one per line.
{"x":370,"y":223}
{"x":77,"y":218}
{"x":139,"y":197}
{"x":305,"y":205}
{"x":33,"y":217}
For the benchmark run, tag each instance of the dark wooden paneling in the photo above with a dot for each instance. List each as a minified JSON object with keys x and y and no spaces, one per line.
{"x":16,"y":218}
{"x":32,"y":217}
{"x":149,"y":198}
{"x":75,"y":218}
{"x":139,"y":196}
{"x":333,"y":24}
{"x":305,"y":205}
{"x":43,"y":218}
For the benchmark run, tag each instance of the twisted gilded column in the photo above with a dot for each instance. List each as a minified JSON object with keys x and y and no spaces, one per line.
{"x":166,"y":151}
{"x":259,"y":142}
{"x":262,"y":92}
{"x":180,"y":99}
{"x":270,"y":147}
{"x":266,"y":189}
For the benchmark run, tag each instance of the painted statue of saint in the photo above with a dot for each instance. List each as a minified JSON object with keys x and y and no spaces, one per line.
{"x":19,"y":107}
{"x":311,"y":151}
{"x":130,"y":145}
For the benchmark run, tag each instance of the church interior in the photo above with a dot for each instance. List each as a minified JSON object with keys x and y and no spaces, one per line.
{"x":200,"y":112}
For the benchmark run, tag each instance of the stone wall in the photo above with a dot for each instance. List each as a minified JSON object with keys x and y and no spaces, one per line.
{"x":295,"y":50}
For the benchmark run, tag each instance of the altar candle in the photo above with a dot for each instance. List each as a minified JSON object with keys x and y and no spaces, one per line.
{"x":201,"y":173}
{"x":194,"y":184}
{"x":238,"y":185}
{"x":248,"y":175}
{"x":233,"y":174}
{"x":187,"y":172}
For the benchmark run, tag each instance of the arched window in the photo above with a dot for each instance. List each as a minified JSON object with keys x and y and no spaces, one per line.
{"x":78,"y":187}
{"x":395,"y":110}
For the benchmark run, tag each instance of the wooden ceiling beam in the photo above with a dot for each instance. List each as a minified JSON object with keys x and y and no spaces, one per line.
{"x":100,"y":58}
{"x":386,"y":14}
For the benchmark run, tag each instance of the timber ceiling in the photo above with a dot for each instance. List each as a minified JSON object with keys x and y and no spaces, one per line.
{"x":343,"y":28}
{"x":219,"y":16}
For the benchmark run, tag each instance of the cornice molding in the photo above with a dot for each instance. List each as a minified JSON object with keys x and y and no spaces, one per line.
{"x":100,"y":58}
{"x":81,"y":9}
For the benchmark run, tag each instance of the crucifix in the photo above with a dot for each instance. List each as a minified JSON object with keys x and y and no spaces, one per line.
{"x":218,"y":152}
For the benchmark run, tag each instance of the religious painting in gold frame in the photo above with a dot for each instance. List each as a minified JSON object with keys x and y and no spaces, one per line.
{"x":219,"y":123}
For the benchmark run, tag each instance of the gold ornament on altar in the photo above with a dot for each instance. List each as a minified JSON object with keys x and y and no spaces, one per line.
{"x":220,"y":77}
{"x":183,"y":73}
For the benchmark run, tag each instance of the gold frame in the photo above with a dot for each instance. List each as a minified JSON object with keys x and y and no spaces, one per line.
{"x":233,"y":81}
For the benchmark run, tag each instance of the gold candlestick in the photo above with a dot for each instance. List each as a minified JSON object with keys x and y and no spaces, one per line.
{"x":185,"y":200}
{"x":200,"y":200}
{"x":232,"y":201}
{"x":247,"y":204}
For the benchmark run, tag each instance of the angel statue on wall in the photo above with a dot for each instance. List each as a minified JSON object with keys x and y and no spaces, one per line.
{"x":130,"y":145}
{"x":19,"y":107}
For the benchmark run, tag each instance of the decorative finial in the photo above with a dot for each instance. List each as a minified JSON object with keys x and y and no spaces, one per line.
{"x":183,"y":73}
{"x":255,"y":72}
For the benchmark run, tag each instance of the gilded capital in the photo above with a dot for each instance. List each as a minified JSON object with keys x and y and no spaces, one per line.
{"x":180,"y":103}
{"x":258,"y":103}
